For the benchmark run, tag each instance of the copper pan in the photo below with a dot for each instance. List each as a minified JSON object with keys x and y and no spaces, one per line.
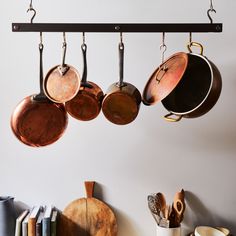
{"x":62,"y":82}
{"x":86,"y":105}
{"x":37,"y":121}
{"x":122,"y":100}
{"x":198,"y":90}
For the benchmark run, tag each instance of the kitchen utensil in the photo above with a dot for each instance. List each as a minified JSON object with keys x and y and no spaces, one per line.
{"x":122,"y":100}
{"x":7,"y":216}
{"x":207,"y":231}
{"x":198,"y":90}
{"x":88,"y":216}
{"x":153,"y":207}
{"x":86,"y":105}
{"x":37,"y":121}
{"x":62,"y":82}
{"x":155,"y":204}
{"x":160,"y":198}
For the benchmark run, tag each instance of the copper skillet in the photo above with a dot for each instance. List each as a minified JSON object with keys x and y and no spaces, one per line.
{"x":62,"y":82}
{"x":37,"y":121}
{"x":86,"y":105}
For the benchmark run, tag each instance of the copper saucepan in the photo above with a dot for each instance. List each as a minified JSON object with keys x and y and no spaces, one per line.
{"x":37,"y":121}
{"x":122,"y":100}
{"x":198,"y":90}
{"x":62,"y":82}
{"x":86,"y":105}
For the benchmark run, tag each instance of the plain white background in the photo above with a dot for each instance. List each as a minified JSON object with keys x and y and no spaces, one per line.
{"x":128,"y":162}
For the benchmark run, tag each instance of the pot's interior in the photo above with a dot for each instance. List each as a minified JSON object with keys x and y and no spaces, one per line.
{"x":192,"y":88}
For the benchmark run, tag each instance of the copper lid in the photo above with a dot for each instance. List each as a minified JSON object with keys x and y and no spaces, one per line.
{"x":165,"y":78}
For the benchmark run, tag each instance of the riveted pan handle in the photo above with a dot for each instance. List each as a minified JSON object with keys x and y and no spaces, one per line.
{"x":169,"y":117}
{"x":195,"y":44}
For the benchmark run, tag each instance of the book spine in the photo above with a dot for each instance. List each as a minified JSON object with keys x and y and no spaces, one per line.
{"x":31,"y":227}
{"x":18,"y":228}
{"x":39,"y":229}
{"x":46,"y":227}
{"x":25,"y":229}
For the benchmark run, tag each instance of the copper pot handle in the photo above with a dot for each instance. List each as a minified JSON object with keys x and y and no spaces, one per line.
{"x":84,"y":82}
{"x":63,"y":68}
{"x":121,"y":65}
{"x":196,"y":44}
{"x":169,"y":117}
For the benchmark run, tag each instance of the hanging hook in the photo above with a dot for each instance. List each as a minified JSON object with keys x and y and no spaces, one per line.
{"x":121,"y":45}
{"x":211,"y":10}
{"x":63,"y":68}
{"x":190,"y":37}
{"x":33,"y":10}
{"x":83,"y":36}
{"x":83,"y":46}
{"x":163,"y":47}
{"x":41,"y":40}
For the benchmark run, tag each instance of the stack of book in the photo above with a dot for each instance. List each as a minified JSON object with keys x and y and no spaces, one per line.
{"x":38,"y":221}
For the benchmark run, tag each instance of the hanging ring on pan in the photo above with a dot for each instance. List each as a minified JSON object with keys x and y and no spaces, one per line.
{"x":196,"y":44}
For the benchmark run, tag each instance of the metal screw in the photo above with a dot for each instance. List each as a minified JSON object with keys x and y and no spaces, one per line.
{"x":117,"y":27}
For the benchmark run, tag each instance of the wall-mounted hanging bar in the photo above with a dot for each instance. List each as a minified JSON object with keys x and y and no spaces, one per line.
{"x":116,"y":27}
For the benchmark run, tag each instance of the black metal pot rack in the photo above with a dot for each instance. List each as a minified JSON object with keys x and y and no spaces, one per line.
{"x":119,"y":27}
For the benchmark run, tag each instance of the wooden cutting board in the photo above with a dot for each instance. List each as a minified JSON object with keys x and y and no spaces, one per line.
{"x":87,"y":217}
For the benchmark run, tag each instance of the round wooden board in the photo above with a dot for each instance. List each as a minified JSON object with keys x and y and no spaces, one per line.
{"x":88,"y":217}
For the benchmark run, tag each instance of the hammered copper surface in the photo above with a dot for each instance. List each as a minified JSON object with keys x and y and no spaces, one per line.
{"x":38,"y":123}
{"x":61,"y":88}
{"x":86,"y":105}
{"x":165,"y":78}
{"x":121,"y":105}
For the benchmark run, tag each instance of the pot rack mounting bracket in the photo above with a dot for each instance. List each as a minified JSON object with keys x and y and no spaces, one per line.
{"x":119,"y":27}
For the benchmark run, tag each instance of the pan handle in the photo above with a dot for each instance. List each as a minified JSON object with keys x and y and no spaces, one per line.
{"x":89,"y":187}
{"x":196,"y":44}
{"x":169,"y":117}
{"x":63,"y":68}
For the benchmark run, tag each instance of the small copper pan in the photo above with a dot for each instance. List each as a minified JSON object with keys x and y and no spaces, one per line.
{"x":37,"y":121}
{"x":86,"y":105}
{"x":62,"y":82}
{"x":122,"y":101}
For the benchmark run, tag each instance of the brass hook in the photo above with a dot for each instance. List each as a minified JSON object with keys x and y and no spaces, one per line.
{"x":33,"y":10}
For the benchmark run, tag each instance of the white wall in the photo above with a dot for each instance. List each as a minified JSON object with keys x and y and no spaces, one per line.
{"x":128,"y":162}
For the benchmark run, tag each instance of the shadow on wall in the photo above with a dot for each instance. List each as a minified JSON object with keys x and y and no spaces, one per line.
{"x":198,"y":214}
{"x":125,"y":226}
{"x":20,"y":207}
